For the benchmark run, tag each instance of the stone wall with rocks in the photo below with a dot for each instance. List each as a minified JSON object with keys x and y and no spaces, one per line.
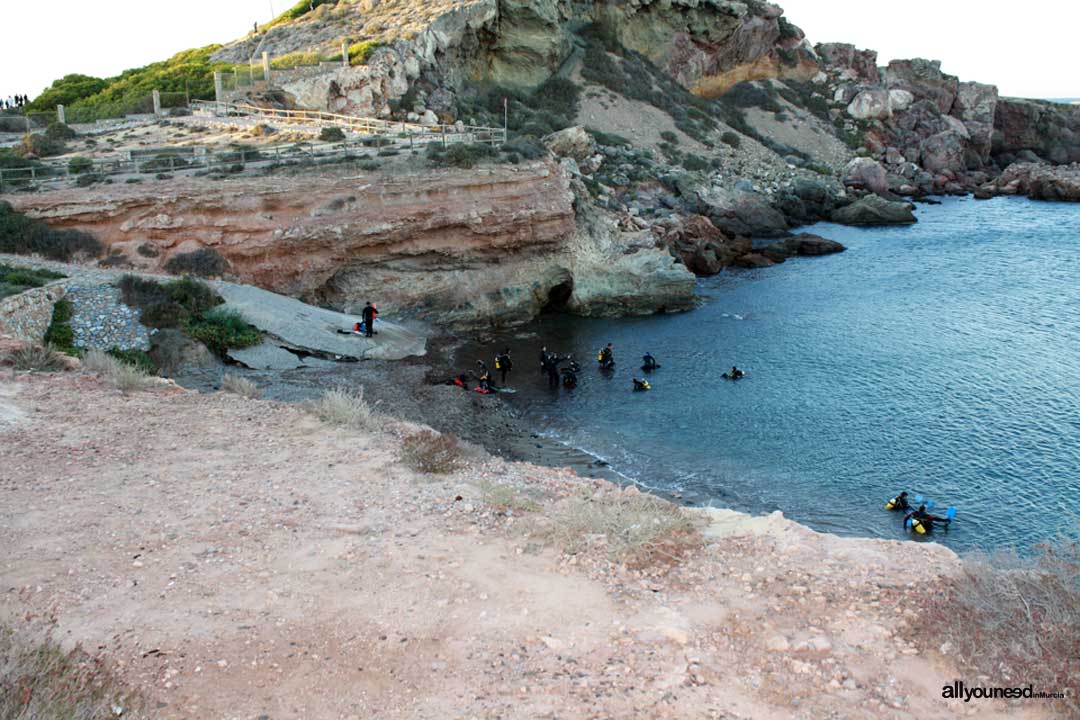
{"x":101,"y":320}
{"x":27,"y":316}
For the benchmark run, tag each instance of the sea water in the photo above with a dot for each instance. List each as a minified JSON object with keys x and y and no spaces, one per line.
{"x":941,"y":358}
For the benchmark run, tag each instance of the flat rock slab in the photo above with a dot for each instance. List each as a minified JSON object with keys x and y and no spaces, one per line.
{"x":311,"y":328}
{"x":267,"y":356}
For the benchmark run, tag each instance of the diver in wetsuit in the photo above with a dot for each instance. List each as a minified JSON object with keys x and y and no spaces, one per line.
{"x":503,"y":364}
{"x":925,"y":518}
{"x":641,"y":385}
{"x":606,"y":357}
{"x":551,"y":367}
{"x":735,"y":374}
{"x":899,"y":502}
{"x":649,"y":363}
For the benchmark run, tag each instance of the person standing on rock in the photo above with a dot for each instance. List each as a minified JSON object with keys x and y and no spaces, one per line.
{"x":503,"y":364}
{"x":369,"y":313}
{"x":543,"y":359}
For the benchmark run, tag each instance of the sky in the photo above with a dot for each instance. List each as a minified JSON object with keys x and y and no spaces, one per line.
{"x":1027,"y":54}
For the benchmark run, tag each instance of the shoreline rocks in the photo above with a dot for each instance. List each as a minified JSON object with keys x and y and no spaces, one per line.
{"x":874,"y":210}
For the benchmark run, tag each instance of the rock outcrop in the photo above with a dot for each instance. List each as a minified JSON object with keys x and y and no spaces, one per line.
{"x":495,"y":244}
{"x":874,"y":210}
{"x":1040,"y":182}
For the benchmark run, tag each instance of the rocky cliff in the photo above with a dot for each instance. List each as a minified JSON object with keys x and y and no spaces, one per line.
{"x":493,"y":244}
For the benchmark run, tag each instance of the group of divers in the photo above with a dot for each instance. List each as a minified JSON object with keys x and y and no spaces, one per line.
{"x":919,"y":520}
{"x":562,"y":370}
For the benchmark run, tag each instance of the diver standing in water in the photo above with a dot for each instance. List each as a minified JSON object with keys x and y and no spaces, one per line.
{"x":503,"y":364}
{"x":606,"y":357}
{"x":649,"y":363}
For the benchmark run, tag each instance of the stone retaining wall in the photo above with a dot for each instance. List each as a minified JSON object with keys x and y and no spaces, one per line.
{"x":27,"y":316}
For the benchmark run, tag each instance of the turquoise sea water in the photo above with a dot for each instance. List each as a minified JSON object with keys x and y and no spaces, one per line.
{"x":941,"y":358}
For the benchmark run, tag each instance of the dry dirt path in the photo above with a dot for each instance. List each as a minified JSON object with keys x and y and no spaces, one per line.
{"x":243,"y":560}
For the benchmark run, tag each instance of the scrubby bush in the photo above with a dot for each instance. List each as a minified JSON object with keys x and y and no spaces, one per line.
{"x":460,"y":155}
{"x":731,"y":139}
{"x":39,"y":680}
{"x":241,"y":386}
{"x":295,"y":59}
{"x":136,"y":358}
{"x":205,"y":262}
{"x":332,"y":135}
{"x":360,"y":53}
{"x":431,"y":452}
{"x":167,"y":305}
{"x":345,"y":408}
{"x":527,"y":147}
{"x":608,"y":139}
{"x":669,"y":137}
{"x":120,"y":375}
{"x":221,"y":329}
{"x":37,"y":145}
{"x":148,"y":250}
{"x":694,"y":163}
{"x":637,"y":528}
{"x":1015,"y":621}
{"x":23,"y":235}
{"x":59,"y":132}
{"x":88,"y":179}
{"x":79,"y":164}
{"x":14,"y":280}
{"x":60,"y":336}
{"x":34,"y":358}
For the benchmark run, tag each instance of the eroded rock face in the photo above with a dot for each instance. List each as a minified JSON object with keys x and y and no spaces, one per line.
{"x":923,"y":79}
{"x":462,"y":247}
{"x":861,"y":63}
{"x":1049,"y":130}
{"x":740,"y":212}
{"x":702,"y":247}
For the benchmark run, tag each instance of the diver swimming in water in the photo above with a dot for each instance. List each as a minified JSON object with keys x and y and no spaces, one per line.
{"x":900,"y":502}
{"x":649,"y":363}
{"x":922,"y":522}
{"x":641,"y":385}
{"x":606,"y":357}
{"x":569,"y":378}
{"x":735,"y":374}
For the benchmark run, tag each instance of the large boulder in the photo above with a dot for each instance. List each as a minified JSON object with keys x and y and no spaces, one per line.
{"x":574,"y":142}
{"x":741,"y":212}
{"x":874,"y":210}
{"x":866,"y":174}
{"x":944,"y":151}
{"x":900,"y":99}
{"x":923,"y":79}
{"x":871,"y":105}
{"x":702,"y":247}
{"x":819,"y":197}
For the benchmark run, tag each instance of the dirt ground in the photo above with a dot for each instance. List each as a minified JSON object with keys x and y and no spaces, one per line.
{"x":243,"y":560}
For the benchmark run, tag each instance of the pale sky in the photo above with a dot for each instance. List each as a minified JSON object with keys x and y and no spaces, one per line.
{"x":1026,"y":50}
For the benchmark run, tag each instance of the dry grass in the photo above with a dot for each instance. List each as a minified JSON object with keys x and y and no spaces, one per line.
{"x":122,"y":376}
{"x":241,"y":386}
{"x":508,"y":498}
{"x":346,"y":408}
{"x":431,"y":452}
{"x":1016,"y":620}
{"x":638,"y":529}
{"x":34,"y":358}
{"x":41,"y":681}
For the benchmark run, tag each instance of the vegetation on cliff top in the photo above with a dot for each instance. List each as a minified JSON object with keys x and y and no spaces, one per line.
{"x":23,"y":235}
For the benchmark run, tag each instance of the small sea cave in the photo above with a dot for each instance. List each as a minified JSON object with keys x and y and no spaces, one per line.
{"x":559,"y":297}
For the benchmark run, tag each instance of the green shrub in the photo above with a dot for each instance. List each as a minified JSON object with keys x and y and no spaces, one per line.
{"x":221,"y":329}
{"x":670,"y":137}
{"x":694,"y":163}
{"x":79,"y":165}
{"x":299,"y":58}
{"x":136,"y":359}
{"x":60,"y":336}
{"x":609,"y":139}
{"x":32,"y":358}
{"x":527,"y":147}
{"x":59,"y":132}
{"x":167,"y":305}
{"x":460,"y":155}
{"x":732,"y":139}
{"x":332,"y":135}
{"x":22,"y":235}
{"x":205,"y":262}
{"x":36,"y":145}
{"x":67,"y":91}
{"x":360,"y":53}
{"x":20,"y":279}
